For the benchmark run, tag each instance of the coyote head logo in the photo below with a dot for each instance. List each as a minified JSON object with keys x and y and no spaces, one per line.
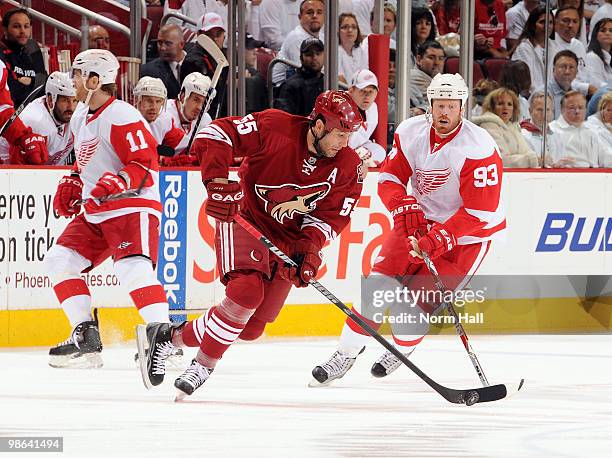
{"x":285,"y":200}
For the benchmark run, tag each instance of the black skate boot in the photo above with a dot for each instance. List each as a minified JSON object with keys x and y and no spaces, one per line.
{"x":193,"y":378}
{"x":335,"y":368}
{"x":82,"y":349}
{"x":154,"y":347}
{"x":387,"y":363}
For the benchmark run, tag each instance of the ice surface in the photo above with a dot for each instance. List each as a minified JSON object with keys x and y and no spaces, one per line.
{"x":257,"y":403}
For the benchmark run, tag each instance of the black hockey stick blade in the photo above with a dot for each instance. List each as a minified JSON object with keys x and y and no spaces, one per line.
{"x":21,"y":107}
{"x":467,"y":397}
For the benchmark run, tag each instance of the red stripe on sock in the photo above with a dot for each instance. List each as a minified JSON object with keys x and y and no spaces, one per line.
{"x":70,"y":288}
{"x":408,"y":343}
{"x":355,"y":327}
{"x":148,"y":295}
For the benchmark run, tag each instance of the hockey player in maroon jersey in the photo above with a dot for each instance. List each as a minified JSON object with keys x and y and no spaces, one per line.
{"x":115,"y":152}
{"x":299,"y":183}
{"x":452,"y":213}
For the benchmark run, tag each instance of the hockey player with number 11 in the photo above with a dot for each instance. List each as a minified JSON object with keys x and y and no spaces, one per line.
{"x":299,"y":183}
{"x":454,"y":211}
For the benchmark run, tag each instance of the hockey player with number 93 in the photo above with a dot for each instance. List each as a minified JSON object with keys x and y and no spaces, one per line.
{"x":115,"y":152}
{"x":299,"y":182}
{"x":452,"y":214}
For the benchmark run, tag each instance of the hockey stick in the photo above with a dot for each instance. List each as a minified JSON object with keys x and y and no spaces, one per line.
{"x":468,"y":397}
{"x":458,"y":326}
{"x":119,"y":195}
{"x":215,"y":52}
{"x":19,"y":109}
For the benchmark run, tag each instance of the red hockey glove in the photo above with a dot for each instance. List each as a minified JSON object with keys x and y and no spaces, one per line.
{"x":69,"y":190}
{"x":223,"y":201}
{"x":30,"y":149}
{"x":408,"y":217}
{"x":435,"y":243}
{"x":308,"y":259}
{"x":108,"y":184}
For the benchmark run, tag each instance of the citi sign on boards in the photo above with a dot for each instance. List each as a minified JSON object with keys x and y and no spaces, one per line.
{"x":567,"y":231}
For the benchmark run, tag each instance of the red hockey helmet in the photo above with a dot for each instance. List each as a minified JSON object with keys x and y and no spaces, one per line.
{"x":338,"y":110}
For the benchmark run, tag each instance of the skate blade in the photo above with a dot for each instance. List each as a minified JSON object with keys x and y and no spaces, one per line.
{"x":180,"y":396}
{"x":142,"y":344}
{"x":314,"y":383}
{"x":78,"y":361}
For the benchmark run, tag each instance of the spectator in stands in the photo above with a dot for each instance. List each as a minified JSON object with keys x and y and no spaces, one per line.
{"x":299,"y":92}
{"x":429,"y":62}
{"x":389,"y":21}
{"x":17,"y":25}
{"x":363,"y":90}
{"x":530,"y":44}
{"x":253,"y":12}
{"x":533,"y":128}
{"x":604,"y":11}
{"x":594,"y":101}
{"x":515,"y":76}
{"x":489,"y":29}
{"x":499,"y":118}
{"x":256,"y":93}
{"x":312,"y":15}
{"x":480,"y":91}
{"x":167,"y":67}
{"x":448,"y":16}
{"x":197,"y":9}
{"x":423,"y":29}
{"x":516,"y":18}
{"x":598,"y":59}
{"x":578,"y":5}
{"x":276,"y":19}
{"x":601,"y":122}
{"x":351,"y":56}
{"x":575,"y":144}
{"x":565,"y":70}
{"x":200,"y":61}
{"x":98,"y":37}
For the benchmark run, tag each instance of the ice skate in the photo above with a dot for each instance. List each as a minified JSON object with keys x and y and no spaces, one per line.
{"x":174,"y":361}
{"x":335,"y":368}
{"x":154,"y":343}
{"x":387,"y":363}
{"x":193,"y":378}
{"x":81,"y":350}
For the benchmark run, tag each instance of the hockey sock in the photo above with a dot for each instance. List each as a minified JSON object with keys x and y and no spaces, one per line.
{"x":353,"y":338}
{"x":192,"y":333}
{"x":151,"y":303}
{"x":75,"y":298}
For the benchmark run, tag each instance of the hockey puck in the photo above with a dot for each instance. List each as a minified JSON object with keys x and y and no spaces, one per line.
{"x":471,"y":398}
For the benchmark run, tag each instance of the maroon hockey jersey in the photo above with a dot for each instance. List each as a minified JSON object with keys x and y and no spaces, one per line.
{"x":289,"y":193}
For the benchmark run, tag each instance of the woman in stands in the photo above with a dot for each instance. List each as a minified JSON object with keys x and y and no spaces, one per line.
{"x":530,"y":45}
{"x":500,"y":118}
{"x":598,"y":60}
{"x":423,"y":29}
{"x":601,"y":122}
{"x":515,"y":75}
{"x":351,"y":56}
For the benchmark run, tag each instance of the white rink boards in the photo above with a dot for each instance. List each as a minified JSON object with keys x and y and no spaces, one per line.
{"x":257,"y":403}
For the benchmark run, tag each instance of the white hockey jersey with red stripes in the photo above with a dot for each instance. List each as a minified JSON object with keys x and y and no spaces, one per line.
{"x":59,"y":138}
{"x":172,"y":109}
{"x":166,"y":130}
{"x":107,"y":141}
{"x":456,"y":180}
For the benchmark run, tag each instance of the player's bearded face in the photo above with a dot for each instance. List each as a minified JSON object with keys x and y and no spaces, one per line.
{"x":64,"y":108}
{"x":446,"y":115}
{"x":333,"y":142}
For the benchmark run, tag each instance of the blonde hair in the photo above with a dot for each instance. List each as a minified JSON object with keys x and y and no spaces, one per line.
{"x":605,"y":99}
{"x":492,"y":98}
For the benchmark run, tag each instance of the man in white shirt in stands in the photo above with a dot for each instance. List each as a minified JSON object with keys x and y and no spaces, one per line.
{"x":516,"y":17}
{"x":363,"y":90}
{"x":575,"y":145}
{"x":312,"y":17}
{"x":276,"y":19}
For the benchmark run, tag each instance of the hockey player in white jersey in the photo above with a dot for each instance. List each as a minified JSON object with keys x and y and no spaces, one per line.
{"x":452,"y":211}
{"x":115,"y":152}
{"x":185,"y":110}
{"x":151,"y":96}
{"x":363,"y":90}
{"x":49,"y":116}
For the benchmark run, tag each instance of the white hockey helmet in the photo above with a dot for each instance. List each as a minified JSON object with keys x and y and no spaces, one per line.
{"x":447,"y":86}
{"x":147,"y":85}
{"x":99,"y":61}
{"x":59,"y":83}
{"x":196,"y":82}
